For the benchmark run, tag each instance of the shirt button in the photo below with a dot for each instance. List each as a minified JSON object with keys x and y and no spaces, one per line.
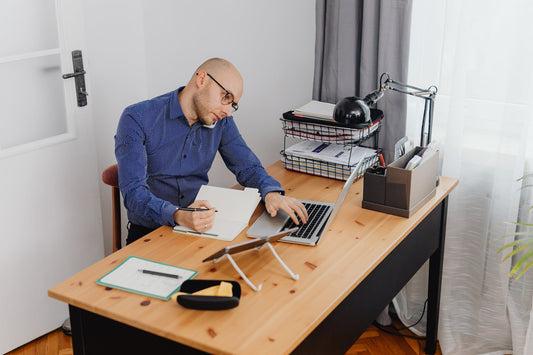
{"x":182,"y":196}
{"x":185,"y":155}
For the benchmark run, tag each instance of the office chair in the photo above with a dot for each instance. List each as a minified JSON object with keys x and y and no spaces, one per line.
{"x":110,"y":177}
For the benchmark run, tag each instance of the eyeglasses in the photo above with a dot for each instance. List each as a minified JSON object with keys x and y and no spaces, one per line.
{"x":228,"y":97}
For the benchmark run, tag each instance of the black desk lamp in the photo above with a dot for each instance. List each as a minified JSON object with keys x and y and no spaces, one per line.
{"x":355,"y":112}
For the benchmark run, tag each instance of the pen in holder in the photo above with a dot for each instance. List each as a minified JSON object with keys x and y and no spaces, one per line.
{"x":376,"y":170}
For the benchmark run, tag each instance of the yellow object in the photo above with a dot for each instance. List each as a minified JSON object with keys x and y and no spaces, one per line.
{"x":210,"y":291}
{"x":225,"y":289}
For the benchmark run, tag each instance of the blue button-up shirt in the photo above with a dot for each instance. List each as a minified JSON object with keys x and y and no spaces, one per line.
{"x":163,"y":161}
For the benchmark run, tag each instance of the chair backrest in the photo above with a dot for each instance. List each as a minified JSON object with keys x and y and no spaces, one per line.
{"x":110,"y":177}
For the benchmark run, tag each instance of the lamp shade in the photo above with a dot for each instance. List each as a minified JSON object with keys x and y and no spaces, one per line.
{"x":352,"y":112}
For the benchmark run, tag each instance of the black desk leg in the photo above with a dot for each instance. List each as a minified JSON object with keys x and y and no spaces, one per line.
{"x":435,"y":278}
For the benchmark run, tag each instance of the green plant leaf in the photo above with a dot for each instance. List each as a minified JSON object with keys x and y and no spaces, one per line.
{"x":515,"y":251}
{"x":523,"y":245}
{"x":516,"y":242}
{"x":521,"y":224}
{"x":525,"y":177}
{"x":520,"y":262}
{"x":524,"y":270}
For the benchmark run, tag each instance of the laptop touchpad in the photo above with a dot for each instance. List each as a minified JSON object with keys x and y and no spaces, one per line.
{"x":266,"y":225}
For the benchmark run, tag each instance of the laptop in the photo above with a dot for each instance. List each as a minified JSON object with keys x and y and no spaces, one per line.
{"x":321,"y":215}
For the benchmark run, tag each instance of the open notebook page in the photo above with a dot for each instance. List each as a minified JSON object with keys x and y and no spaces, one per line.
{"x":235,"y":208}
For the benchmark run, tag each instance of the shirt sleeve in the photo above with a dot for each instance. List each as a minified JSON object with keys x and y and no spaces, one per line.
{"x":143,"y":206}
{"x":240,"y":160}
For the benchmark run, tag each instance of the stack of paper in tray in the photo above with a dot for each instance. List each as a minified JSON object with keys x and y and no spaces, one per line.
{"x":325,"y":159}
{"x":330,"y":152}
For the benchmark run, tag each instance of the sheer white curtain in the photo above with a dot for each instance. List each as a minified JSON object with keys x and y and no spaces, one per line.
{"x":480,"y":56}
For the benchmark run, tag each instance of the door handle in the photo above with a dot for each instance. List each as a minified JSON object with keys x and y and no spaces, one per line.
{"x":72,"y":75}
{"x":79,"y":77}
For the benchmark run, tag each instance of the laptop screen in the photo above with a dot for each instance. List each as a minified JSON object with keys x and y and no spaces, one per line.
{"x":344,"y":192}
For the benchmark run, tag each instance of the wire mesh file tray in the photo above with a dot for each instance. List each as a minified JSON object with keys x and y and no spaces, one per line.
{"x":332,"y":138}
{"x":329,"y":131}
{"x":326,"y":169}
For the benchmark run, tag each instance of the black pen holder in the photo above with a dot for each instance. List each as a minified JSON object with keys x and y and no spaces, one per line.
{"x":374,"y":181}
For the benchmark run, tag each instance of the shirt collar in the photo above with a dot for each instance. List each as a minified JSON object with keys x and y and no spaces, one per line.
{"x":175,"y":107}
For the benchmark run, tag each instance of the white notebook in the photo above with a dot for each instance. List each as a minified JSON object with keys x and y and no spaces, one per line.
{"x":316,"y":109}
{"x":235,"y":208}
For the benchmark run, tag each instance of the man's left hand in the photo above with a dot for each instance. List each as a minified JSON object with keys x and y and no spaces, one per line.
{"x":274,"y":201}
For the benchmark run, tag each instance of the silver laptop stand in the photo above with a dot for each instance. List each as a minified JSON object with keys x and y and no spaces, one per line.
{"x":258,"y":288}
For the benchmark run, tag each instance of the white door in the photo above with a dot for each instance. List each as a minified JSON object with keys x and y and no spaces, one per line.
{"x":50,"y":217}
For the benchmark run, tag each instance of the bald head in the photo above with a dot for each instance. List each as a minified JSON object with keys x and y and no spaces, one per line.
{"x":217,"y":66}
{"x":203,"y":97}
{"x":224,"y":72}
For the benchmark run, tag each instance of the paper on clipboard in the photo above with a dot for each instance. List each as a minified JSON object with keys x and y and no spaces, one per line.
{"x":127,"y":277}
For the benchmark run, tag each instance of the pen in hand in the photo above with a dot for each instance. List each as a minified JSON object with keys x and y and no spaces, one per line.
{"x":190,"y":209}
{"x":157,"y":273}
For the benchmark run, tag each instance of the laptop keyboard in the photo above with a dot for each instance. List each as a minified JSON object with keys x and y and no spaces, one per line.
{"x":315,"y":213}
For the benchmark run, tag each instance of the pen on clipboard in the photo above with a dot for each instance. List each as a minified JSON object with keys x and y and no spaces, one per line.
{"x":190,"y":209}
{"x":157,"y":273}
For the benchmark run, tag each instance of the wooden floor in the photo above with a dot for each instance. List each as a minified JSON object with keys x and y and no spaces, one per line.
{"x":52,"y":343}
{"x":372,"y":342}
{"x":377,"y":342}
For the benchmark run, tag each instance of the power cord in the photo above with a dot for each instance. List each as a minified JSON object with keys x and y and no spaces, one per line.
{"x":397,"y":330}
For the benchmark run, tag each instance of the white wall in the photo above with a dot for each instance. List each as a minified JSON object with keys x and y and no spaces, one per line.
{"x":117,"y":72}
{"x":141,"y":49}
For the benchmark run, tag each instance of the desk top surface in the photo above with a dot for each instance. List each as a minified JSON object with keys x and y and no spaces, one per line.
{"x":277,"y":318}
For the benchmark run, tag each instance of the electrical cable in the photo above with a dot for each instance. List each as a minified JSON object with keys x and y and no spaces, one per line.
{"x":397,"y":330}
{"x":397,"y":333}
{"x":419,"y":319}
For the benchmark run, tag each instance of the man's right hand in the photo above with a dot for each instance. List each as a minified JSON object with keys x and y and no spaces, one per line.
{"x":200,"y":221}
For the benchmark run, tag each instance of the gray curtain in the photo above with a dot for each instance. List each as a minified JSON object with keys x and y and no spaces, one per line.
{"x":356,"y":41}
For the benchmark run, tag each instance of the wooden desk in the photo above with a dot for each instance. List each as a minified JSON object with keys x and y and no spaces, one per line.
{"x":345,"y":282}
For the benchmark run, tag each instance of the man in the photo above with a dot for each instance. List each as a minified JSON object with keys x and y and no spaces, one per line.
{"x":165,"y":147}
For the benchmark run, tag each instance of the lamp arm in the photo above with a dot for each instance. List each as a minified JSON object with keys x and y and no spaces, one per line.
{"x":386,"y":83}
